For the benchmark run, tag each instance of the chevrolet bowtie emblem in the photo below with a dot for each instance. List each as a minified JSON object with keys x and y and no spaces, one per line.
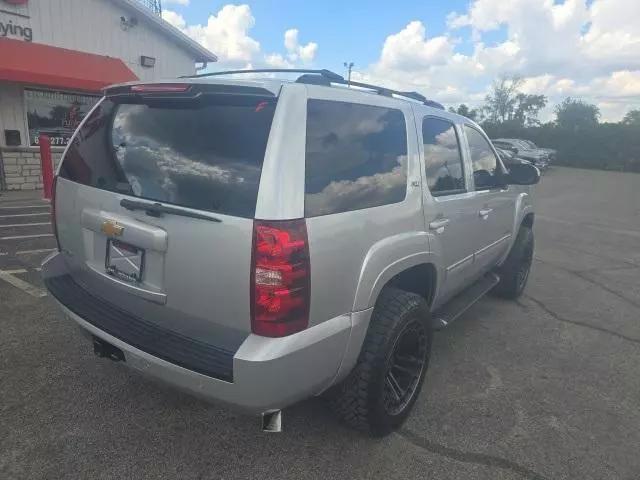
{"x":111,"y":228}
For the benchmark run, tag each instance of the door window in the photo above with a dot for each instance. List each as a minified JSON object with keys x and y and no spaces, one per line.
{"x":442,"y":158}
{"x":486,"y":168}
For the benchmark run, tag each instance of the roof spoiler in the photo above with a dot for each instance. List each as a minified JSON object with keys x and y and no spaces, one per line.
{"x":186,"y":90}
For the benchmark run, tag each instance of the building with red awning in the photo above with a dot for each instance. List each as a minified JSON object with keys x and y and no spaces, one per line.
{"x":57,"y":55}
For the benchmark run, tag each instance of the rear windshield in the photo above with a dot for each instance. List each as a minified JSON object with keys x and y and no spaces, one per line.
{"x":205,"y":155}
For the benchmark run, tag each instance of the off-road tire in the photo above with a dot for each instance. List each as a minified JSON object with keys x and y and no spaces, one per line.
{"x":358,"y":400}
{"x":512,"y":283}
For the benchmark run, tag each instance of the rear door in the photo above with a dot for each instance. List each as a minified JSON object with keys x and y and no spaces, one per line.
{"x":449,"y":207}
{"x":156,"y":197}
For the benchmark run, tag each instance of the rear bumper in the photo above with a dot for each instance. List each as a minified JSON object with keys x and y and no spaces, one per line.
{"x":267,"y":373}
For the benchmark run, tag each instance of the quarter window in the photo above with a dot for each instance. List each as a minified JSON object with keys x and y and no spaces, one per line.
{"x":486,"y":168}
{"x":442,"y":157}
{"x":356,"y":157}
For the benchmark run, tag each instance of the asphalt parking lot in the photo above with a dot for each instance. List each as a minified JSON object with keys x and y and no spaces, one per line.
{"x":544,"y":388}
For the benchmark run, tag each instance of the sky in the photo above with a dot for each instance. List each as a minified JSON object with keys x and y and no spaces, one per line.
{"x":448,"y":50}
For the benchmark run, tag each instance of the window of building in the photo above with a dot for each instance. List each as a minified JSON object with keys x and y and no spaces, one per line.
{"x":56,"y":114}
{"x":356,"y":157}
{"x":442,"y":157}
{"x":486,"y":168}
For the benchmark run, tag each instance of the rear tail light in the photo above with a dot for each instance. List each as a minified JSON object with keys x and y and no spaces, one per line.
{"x":53,"y":210}
{"x":280,"y":278}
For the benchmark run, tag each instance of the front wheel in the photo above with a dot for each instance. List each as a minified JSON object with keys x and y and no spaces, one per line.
{"x":514,"y":272}
{"x":380,"y":391}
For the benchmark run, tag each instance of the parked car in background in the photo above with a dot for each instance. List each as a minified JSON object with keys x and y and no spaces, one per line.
{"x":552,"y":152}
{"x":259,"y":242}
{"x":536,"y":156}
{"x":509,"y":158}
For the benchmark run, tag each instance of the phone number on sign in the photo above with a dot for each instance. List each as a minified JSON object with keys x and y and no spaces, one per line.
{"x":56,"y":141}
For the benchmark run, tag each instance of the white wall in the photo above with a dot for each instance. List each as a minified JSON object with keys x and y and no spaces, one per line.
{"x":94,"y":26}
{"x":12,"y":113}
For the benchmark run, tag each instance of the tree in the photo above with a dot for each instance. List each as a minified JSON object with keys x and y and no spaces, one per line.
{"x":506,"y":104}
{"x":465,"y":111}
{"x":501,"y":102}
{"x":527,"y":109}
{"x":576,"y":114}
{"x":632,"y":118}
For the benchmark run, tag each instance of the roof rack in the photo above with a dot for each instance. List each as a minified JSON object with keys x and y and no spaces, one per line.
{"x":327,"y":77}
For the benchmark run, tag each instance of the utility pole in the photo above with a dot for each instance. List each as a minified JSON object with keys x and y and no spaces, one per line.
{"x":349,"y":67}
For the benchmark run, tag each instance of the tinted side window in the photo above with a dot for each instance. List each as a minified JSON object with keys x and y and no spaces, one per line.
{"x":356,"y":157}
{"x":442,"y":158}
{"x":486,"y":170}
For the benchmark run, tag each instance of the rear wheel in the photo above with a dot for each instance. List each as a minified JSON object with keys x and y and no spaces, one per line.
{"x":379,"y":393}
{"x":514,"y":272}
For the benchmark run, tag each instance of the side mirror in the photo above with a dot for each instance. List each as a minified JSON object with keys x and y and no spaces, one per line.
{"x":523,"y":174}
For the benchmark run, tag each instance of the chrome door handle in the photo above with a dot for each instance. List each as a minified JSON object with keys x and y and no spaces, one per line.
{"x":438,"y":225}
{"x":484,"y":213}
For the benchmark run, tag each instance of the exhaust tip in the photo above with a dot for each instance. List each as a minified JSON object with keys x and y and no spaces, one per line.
{"x":272,"y":421}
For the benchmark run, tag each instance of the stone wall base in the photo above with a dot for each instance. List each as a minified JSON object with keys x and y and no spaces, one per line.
{"x":21,"y":168}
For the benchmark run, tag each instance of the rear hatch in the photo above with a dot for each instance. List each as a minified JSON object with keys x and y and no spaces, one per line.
{"x":155,"y":202}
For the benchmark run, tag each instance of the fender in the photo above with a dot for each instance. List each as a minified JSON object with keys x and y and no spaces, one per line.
{"x":384,"y":260}
{"x":387,"y":258}
{"x":522,"y":208}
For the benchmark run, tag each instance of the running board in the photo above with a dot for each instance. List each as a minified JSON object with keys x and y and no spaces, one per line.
{"x":461,"y":302}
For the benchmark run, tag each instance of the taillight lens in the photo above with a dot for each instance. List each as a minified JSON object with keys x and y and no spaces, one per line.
{"x":280,"y":278}
{"x":53,"y":210}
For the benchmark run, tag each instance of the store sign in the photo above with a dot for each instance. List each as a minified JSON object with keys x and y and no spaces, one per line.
{"x":15,"y":27}
{"x":10,"y":29}
{"x":56,"y":114}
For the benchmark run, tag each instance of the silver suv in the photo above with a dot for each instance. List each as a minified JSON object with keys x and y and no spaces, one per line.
{"x":260,"y":241}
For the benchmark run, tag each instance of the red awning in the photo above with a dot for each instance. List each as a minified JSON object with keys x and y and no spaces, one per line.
{"x":39,"y":64}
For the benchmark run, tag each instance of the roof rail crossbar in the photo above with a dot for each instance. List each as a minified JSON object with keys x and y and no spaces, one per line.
{"x":329,"y":77}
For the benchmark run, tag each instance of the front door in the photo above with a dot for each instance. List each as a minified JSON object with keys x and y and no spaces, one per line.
{"x":495,"y":205}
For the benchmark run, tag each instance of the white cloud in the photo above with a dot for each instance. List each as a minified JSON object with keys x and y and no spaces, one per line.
{"x":295,"y":51}
{"x":175,"y":2}
{"x":174,"y":19}
{"x":227,"y":34}
{"x":276,"y":60}
{"x":561,"y":48}
{"x":411,"y":48}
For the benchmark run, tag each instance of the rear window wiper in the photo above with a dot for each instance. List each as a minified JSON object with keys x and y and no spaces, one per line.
{"x":157,"y":209}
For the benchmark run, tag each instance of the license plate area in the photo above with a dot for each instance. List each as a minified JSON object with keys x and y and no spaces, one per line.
{"x":124,"y":261}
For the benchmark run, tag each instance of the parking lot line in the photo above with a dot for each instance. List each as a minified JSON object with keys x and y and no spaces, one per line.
{"x":31,"y":252}
{"x":9,"y":277}
{"x":18,"y":237}
{"x":23,"y":206}
{"x":15,"y":215}
{"x":25,"y":224}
